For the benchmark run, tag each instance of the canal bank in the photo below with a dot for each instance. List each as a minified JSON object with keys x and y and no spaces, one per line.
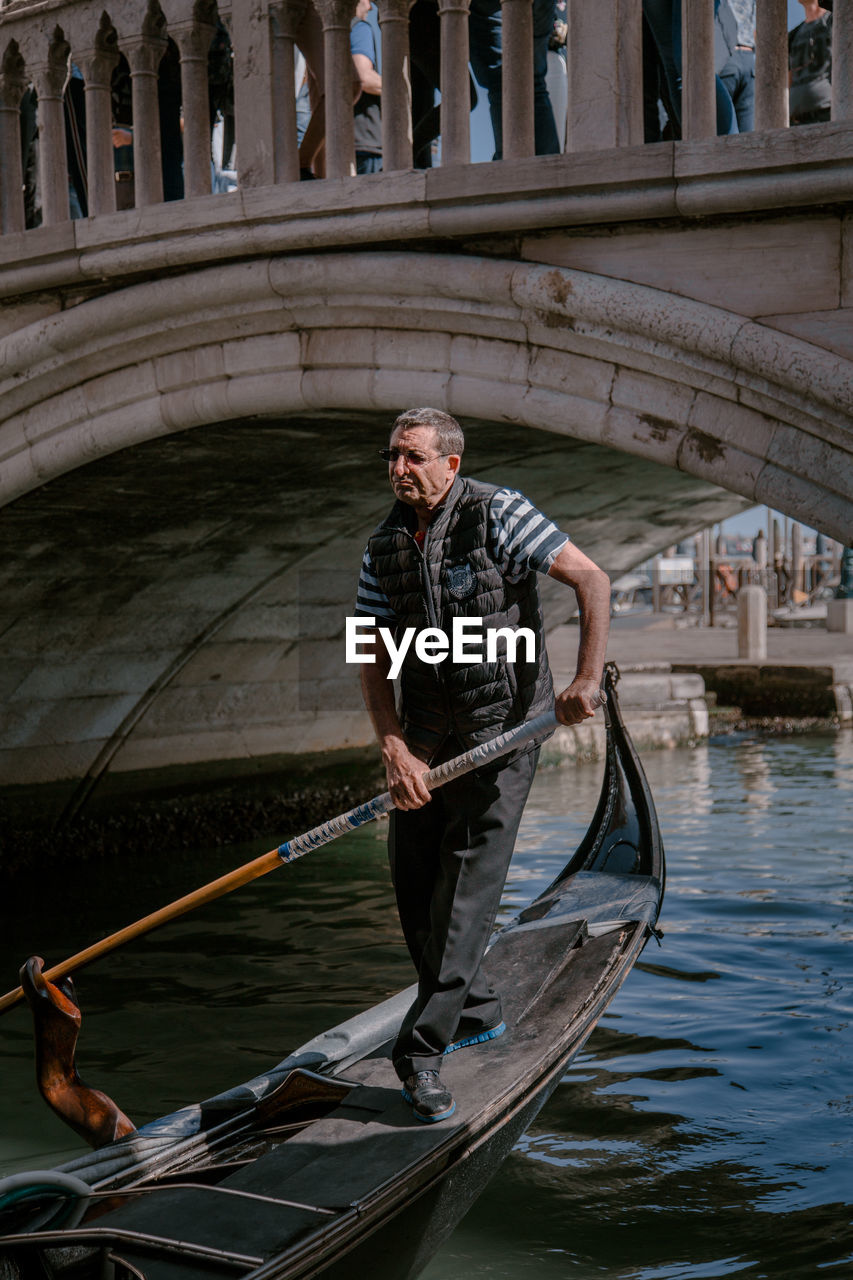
{"x":681,"y":683}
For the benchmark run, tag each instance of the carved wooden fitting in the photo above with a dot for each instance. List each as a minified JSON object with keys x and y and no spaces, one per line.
{"x":56,"y":1025}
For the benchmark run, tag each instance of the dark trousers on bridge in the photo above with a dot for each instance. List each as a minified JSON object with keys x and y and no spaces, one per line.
{"x":449,"y":862}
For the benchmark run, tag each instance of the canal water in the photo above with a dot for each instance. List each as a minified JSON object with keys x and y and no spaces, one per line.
{"x":705,"y":1131}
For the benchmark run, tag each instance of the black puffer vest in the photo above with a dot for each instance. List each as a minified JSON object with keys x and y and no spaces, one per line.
{"x":455,"y":576}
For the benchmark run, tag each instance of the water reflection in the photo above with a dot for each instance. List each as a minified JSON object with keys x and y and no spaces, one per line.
{"x":759,"y":788}
{"x":843,"y":750}
{"x":705,"y":1131}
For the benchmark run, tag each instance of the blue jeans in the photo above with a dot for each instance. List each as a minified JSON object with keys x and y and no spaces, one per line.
{"x":738,"y":77}
{"x":486,"y":38}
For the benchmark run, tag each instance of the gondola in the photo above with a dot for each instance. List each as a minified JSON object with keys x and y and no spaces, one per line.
{"x":318,"y":1168}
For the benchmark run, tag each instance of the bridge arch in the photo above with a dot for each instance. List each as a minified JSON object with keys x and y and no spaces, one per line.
{"x":673,"y":380}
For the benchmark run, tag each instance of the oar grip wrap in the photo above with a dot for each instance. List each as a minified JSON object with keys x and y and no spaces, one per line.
{"x":327,"y":831}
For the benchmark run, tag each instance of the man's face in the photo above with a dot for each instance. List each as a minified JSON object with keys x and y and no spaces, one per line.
{"x":362,"y":9}
{"x":419,"y":476}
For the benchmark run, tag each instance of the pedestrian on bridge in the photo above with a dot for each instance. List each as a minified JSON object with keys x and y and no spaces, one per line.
{"x":810,"y":66}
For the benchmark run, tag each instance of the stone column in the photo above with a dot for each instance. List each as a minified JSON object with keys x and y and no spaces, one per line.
{"x":13,"y":84}
{"x":771,"y":64}
{"x":698,"y":100}
{"x":842,"y":60}
{"x":144,"y":57}
{"x":455,"y":92}
{"x":193,"y":41}
{"x":517,"y":74}
{"x":285,"y":19}
{"x":251,"y":39}
{"x":49,"y":80}
{"x":605,"y":72}
{"x":336,"y":17}
{"x":97,"y":67}
{"x":396,"y":85}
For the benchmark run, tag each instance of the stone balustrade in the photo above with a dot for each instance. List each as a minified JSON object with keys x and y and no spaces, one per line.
{"x":41,"y":39}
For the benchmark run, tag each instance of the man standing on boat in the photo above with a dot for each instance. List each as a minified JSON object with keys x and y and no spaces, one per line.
{"x":455,"y":548}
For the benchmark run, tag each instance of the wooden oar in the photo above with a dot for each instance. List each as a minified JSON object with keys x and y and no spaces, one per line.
{"x":541,"y":726}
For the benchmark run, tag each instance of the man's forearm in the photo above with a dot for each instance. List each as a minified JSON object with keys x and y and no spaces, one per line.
{"x":593,"y":596}
{"x":378,"y":693}
{"x":591,"y":586}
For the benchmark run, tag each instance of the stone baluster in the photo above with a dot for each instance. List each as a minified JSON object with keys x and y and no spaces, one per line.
{"x":251,"y":39}
{"x":144,"y":57}
{"x":285,"y":19}
{"x":517,"y":79}
{"x":193,"y":40}
{"x":396,"y":85}
{"x":336,"y":17}
{"x":455,"y":91}
{"x":605,"y":73}
{"x":13,"y":84}
{"x":698,"y":101}
{"x":97,"y":67}
{"x":842,"y":60}
{"x":49,"y":78}
{"x":771,"y":64}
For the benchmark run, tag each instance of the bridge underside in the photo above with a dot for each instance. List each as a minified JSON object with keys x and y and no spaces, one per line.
{"x":181,"y":603}
{"x":187,"y":451}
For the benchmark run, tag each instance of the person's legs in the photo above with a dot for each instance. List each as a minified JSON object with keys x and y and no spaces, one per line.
{"x":545,"y":128}
{"x":726,"y":117}
{"x":558,"y":92}
{"x":414,"y":838}
{"x":425,"y":45}
{"x":745,"y":104}
{"x":664,"y":22}
{"x":486,"y":52}
{"x":738,"y":77}
{"x":448,"y":933}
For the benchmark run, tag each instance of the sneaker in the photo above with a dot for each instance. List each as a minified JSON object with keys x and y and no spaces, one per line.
{"x":428,"y":1097}
{"x":476,"y":1037}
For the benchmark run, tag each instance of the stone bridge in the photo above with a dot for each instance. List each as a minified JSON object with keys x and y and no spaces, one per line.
{"x":644,"y":338}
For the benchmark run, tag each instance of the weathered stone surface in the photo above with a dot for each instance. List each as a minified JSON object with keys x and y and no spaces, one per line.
{"x":741,"y":267}
{"x":831,"y":329}
{"x":839,"y":616}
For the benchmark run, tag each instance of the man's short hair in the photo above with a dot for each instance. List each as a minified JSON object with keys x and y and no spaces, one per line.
{"x":449,"y":437}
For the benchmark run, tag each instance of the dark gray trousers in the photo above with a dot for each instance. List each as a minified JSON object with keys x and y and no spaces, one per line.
{"x":449,"y":861}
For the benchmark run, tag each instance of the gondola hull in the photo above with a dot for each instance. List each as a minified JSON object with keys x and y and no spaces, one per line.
{"x":319,"y":1169}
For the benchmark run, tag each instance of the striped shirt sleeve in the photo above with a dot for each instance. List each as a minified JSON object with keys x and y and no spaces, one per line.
{"x":371,"y":600}
{"x":522,"y":539}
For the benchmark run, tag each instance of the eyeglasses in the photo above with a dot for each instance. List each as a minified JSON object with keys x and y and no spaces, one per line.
{"x":411,"y":457}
